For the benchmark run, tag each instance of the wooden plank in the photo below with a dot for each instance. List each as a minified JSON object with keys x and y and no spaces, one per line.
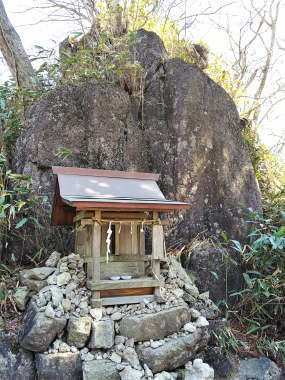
{"x":128,"y":206}
{"x":104,"y":173}
{"x":126,"y":292}
{"x":122,"y":258}
{"x":122,"y":284}
{"x":126,"y":300}
{"x":117,"y":239}
{"x":157,"y":242}
{"x":141,"y":243}
{"x":126,"y":239}
{"x":123,"y":215}
{"x":134,"y":230}
{"x":133,"y":268}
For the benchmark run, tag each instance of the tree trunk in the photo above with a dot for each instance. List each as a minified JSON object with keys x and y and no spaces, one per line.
{"x":14,"y":53}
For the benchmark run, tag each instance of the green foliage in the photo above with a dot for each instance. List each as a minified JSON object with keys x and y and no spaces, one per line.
{"x":17,"y":202}
{"x":13,"y":101}
{"x":226,"y":340}
{"x":262,"y":301}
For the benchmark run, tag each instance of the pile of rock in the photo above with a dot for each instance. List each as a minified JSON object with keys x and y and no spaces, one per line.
{"x":144,"y":341}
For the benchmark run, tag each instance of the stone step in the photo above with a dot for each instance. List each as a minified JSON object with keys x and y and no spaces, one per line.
{"x":155,"y":326}
{"x":174,"y":353}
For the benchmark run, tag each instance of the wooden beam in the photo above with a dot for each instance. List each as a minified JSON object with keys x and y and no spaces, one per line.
{"x":122,"y":258}
{"x":123,"y":215}
{"x":126,"y":292}
{"x":117,"y":239}
{"x":122,"y":284}
{"x":128,"y":206}
{"x":135,"y":248}
{"x":126,"y":300}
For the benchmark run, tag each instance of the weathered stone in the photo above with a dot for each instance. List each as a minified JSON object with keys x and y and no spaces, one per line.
{"x":21,"y":297}
{"x":189,"y":327}
{"x":129,"y":373}
{"x":100,"y":370}
{"x":164,"y":376}
{"x":36,"y":273}
{"x":78,"y":331}
{"x":53,"y":259}
{"x":130,"y":356}
{"x":154,"y":326}
{"x":201,"y":322}
{"x":63,"y":278}
{"x":63,"y":366}
{"x":38,"y":331}
{"x":66,"y":304}
{"x":15,"y":362}
{"x":96,"y":313}
{"x":174,"y":353}
{"x":258,"y":368}
{"x":102,"y":335}
{"x":49,"y":312}
{"x":198,"y":371}
{"x":116,"y":316}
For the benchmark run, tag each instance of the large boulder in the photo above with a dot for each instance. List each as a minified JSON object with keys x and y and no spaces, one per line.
{"x":185,"y":127}
{"x":155,"y":326}
{"x":38,"y":331}
{"x":175,"y":353}
{"x":15,"y":362}
{"x":63,"y":366}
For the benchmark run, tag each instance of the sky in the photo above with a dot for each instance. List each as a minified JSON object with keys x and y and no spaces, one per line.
{"x":33,"y":32}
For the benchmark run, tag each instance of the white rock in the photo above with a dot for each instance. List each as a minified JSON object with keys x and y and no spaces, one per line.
{"x":66,"y":304}
{"x":198,"y":371}
{"x":49,"y":312}
{"x":129,"y":373}
{"x":96,"y":313}
{"x":147,"y":371}
{"x":178,"y":293}
{"x":53,"y":259}
{"x":88,"y":357}
{"x":201,"y":322}
{"x":194,"y":313}
{"x":63,"y":278}
{"x":189,"y":327}
{"x":130,"y":355}
{"x":64,"y":347}
{"x":115,"y":358}
{"x":164,"y":376}
{"x":155,"y":344}
{"x":116,"y":316}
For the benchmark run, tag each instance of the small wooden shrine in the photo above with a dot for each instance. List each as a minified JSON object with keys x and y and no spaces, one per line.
{"x":111,"y":212}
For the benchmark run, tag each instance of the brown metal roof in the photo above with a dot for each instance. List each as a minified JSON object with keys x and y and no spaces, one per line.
{"x":106,"y":189}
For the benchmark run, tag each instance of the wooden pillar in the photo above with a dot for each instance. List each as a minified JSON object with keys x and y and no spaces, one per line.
{"x":117,"y":239}
{"x":135,"y":247}
{"x":157,"y":252}
{"x":96,"y":249}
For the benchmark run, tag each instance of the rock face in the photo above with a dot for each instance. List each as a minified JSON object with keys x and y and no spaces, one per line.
{"x":63,"y":366}
{"x":225,"y":264}
{"x":155,"y":326}
{"x":15,"y":362}
{"x":187,"y":129}
{"x":38,"y":331}
{"x":174,"y":353}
